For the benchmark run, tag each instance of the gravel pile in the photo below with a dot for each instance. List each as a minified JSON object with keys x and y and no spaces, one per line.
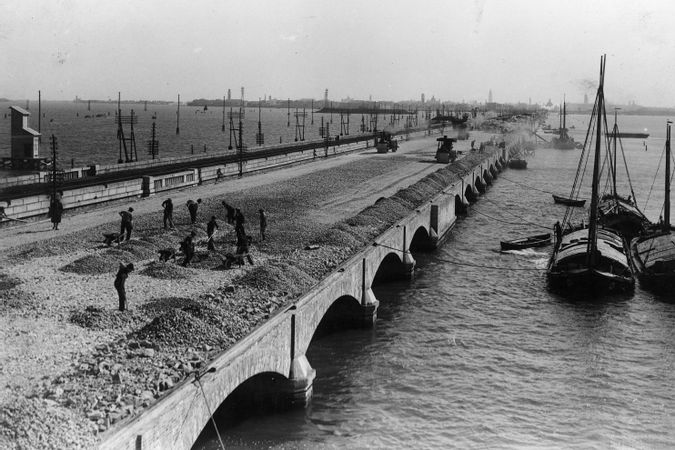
{"x":7,"y":282}
{"x":93,"y":264}
{"x":96,"y":318}
{"x":336,"y":237}
{"x":277,"y":275}
{"x":38,"y":423}
{"x":137,"y":250}
{"x":181,"y":328}
{"x":166,"y":270}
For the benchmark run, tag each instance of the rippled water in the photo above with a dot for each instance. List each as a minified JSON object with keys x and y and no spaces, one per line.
{"x":467,"y":356}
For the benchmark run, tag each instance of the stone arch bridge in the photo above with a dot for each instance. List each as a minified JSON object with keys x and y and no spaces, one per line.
{"x":273,"y":355}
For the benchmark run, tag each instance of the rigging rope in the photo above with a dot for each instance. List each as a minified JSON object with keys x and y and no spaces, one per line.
{"x":524,"y":222}
{"x":656,"y":174}
{"x":525,"y":185}
{"x":481,"y":266}
{"x":512,"y":223}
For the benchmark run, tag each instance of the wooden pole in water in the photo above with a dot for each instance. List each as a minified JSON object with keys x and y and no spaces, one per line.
{"x":39,"y":115}
{"x":178,"y":116}
{"x":223,"y":127}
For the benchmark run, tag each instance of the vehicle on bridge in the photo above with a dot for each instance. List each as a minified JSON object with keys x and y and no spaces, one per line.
{"x":386,"y":142}
{"x":445,"y":153}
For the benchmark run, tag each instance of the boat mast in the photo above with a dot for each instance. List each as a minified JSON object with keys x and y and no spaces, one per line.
{"x":592,"y":249}
{"x":564,"y":117}
{"x":666,"y":204}
{"x":615,"y":132}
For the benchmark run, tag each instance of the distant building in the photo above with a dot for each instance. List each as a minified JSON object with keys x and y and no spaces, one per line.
{"x":585,"y":99}
{"x":422,"y":98}
{"x":490,"y":96}
{"x":25,"y":140}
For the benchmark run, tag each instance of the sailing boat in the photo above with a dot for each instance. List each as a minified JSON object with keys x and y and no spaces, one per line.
{"x":591,"y":258}
{"x":653,"y":255}
{"x":618,"y":212}
{"x":563,"y":141}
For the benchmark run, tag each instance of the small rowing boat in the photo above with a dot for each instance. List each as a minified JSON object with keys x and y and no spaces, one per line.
{"x":568,"y":201}
{"x":539,"y":240}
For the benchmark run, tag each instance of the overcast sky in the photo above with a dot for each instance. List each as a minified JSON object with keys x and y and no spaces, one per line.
{"x":390,"y":49}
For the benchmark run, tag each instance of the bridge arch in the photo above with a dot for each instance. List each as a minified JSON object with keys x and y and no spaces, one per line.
{"x":461,"y":207}
{"x":487,"y":176}
{"x":421,"y":240}
{"x":344,"y":313}
{"x":389,"y":268}
{"x":480,"y":185}
{"x":470,"y":194}
{"x":494,"y":171}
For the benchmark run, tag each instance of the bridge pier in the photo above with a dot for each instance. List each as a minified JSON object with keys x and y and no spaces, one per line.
{"x":480,"y":186}
{"x":407,"y":259}
{"x":297,"y":391}
{"x":368,"y":314}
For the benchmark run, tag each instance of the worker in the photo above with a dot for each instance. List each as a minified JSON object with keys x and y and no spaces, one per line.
{"x":127,"y":223}
{"x":120,"y":279}
{"x":192,"y":207}
{"x":188,"y":248}
{"x":56,"y":211}
{"x":168,"y":213}
{"x":243,"y":243}
{"x":239,"y":222}
{"x":263,"y":224}
{"x":230,"y":212}
{"x":211,"y":228}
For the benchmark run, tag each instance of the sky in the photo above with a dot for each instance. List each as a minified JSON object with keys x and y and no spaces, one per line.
{"x":388,"y":49}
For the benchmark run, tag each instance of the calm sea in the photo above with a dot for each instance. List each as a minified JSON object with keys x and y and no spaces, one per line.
{"x":84,"y":139}
{"x":477,"y":353}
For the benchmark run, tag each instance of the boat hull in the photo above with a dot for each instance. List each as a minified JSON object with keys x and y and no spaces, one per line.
{"x":568,"y":201}
{"x":653,"y":260}
{"x":589,"y":281}
{"x":518,"y":164}
{"x":541,"y":240}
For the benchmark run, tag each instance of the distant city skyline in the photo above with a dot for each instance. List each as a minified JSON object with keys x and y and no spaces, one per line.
{"x":395,"y":50}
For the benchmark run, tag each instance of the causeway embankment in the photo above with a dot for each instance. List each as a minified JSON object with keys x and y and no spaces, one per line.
{"x":79,"y":373}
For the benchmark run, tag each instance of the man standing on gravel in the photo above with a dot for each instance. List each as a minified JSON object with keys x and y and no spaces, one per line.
{"x":127,"y":223}
{"x":192,"y":207}
{"x":188,"y":248}
{"x":211,"y":228}
{"x":230,"y":212}
{"x":120,"y":279}
{"x":168,"y":213}
{"x":263,"y":224}
{"x":239,"y":222}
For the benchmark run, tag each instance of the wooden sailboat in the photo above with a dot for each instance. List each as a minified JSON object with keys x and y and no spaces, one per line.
{"x":653,"y":254}
{"x":619,"y":212}
{"x":563,"y":141}
{"x":592,"y":259}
